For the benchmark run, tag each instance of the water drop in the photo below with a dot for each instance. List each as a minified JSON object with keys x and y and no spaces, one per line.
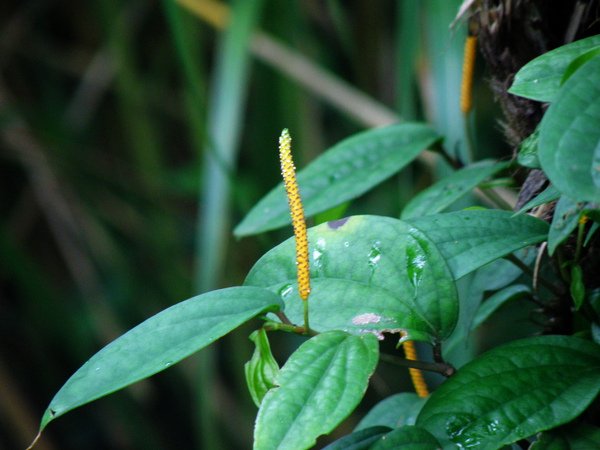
{"x":536,"y":81}
{"x":168,"y":363}
{"x":346,"y":244}
{"x":97,"y":369}
{"x":415,"y":263}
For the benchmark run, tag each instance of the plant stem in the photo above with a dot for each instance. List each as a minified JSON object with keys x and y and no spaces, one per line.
{"x":526,"y":269}
{"x":442,"y":368}
{"x":454,"y":163}
{"x":306,"y":326}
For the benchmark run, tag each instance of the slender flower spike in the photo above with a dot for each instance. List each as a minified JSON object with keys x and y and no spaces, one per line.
{"x":415,"y":374}
{"x":296,"y":211}
{"x":466,"y":89}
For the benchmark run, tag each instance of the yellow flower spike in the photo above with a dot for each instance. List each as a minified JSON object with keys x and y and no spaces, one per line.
{"x":466,"y":87}
{"x":415,"y":374}
{"x":296,"y":211}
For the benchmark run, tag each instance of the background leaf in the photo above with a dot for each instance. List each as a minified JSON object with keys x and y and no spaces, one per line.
{"x":495,"y":301}
{"x":160,"y":342}
{"x":547,"y":195}
{"x":450,"y":189}
{"x":319,"y":386}
{"x":409,"y":437}
{"x":514,"y":391}
{"x":359,"y":440}
{"x":342,"y":173}
{"x":571,"y":122}
{"x":540,"y":79}
{"x":471,"y":239}
{"x":394,"y":411}
{"x":368,"y":273}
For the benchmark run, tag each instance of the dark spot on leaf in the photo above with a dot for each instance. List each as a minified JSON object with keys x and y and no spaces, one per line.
{"x":52,"y":412}
{"x":335,"y":224}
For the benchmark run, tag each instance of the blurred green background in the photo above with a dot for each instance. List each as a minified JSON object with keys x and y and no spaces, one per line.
{"x":134,"y":135}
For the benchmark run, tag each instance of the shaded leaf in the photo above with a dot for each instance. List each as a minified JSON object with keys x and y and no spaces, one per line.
{"x":408,"y":437}
{"x":470,"y":239}
{"x":572,"y":437}
{"x":319,"y":386}
{"x":262,"y":369}
{"x":571,"y":122}
{"x":450,"y":189}
{"x":359,"y":440}
{"x":566,"y":217}
{"x":159,"y":342}
{"x":342,"y":173}
{"x":577,"y":287}
{"x":368,"y":273}
{"x":514,"y":391}
{"x":394,"y":411}
{"x":492,"y":304}
{"x":540,"y":78}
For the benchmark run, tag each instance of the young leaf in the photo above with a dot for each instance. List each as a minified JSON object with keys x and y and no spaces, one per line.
{"x":450,"y":189}
{"x":319,"y":386}
{"x":571,"y":122}
{"x":342,"y":173}
{"x":368,"y":273}
{"x":540,"y":79}
{"x":566,"y":217}
{"x":470,"y":239}
{"x":394,"y":411}
{"x":546,"y":196}
{"x":409,"y":437}
{"x":577,"y":287}
{"x":262,"y":369}
{"x":359,"y":440}
{"x":514,"y":391}
{"x":527,"y":156}
{"x":159,"y":342}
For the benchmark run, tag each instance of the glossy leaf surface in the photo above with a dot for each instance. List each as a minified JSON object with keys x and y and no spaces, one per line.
{"x":470,"y":239}
{"x":342,"y":173}
{"x":513,"y":392}
{"x":571,"y":122}
{"x":540,"y":78}
{"x":450,"y":189}
{"x":159,"y":342}
{"x":319,"y":386}
{"x":368,"y":273}
{"x":394,"y":411}
{"x":407,"y":437}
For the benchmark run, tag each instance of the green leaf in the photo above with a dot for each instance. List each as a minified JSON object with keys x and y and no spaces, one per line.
{"x":408,"y":437}
{"x":540,"y":79}
{"x":470,"y":239}
{"x":591,"y":233}
{"x":566,"y":217}
{"x":319,"y":386}
{"x":393,"y":412}
{"x":546,"y":196}
{"x":578,"y":62}
{"x":342,"y":173}
{"x":498,"y":299}
{"x":359,"y":440}
{"x":514,"y":391}
{"x":159,"y":342}
{"x":527,"y":156}
{"x":577,"y":287}
{"x":262,"y":369}
{"x":569,"y":146}
{"x":368,"y":274}
{"x":571,"y":437}
{"x":450,"y":189}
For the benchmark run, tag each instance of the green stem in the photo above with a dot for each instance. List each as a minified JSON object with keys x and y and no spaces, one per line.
{"x":496,"y":199}
{"x":306,"y":326}
{"x":580,"y":232}
{"x":526,"y":269}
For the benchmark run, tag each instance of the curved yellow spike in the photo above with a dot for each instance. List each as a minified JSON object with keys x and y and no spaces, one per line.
{"x":415,"y":374}
{"x":296,"y":211}
{"x":466,"y":87}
